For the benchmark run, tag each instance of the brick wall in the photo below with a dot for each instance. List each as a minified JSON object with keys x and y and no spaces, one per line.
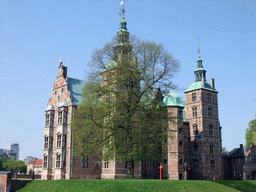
{"x":5,"y":181}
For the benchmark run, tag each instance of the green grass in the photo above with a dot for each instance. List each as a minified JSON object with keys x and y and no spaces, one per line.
{"x":130,"y":185}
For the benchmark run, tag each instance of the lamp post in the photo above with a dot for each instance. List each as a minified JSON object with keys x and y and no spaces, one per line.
{"x":185,"y":171}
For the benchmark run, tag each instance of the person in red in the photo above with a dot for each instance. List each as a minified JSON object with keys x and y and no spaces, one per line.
{"x":160,"y":171}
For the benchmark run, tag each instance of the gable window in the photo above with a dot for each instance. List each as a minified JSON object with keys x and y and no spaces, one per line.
{"x":60,"y":117}
{"x":45,"y":161}
{"x":64,"y":140}
{"x":46,"y":140}
{"x":151,"y":165}
{"x":58,"y":140}
{"x":209,"y":97}
{"x":180,"y":130}
{"x":107,"y":165}
{"x":212,"y":162}
{"x":180,"y":143}
{"x":195,"y":148}
{"x":209,"y":112}
{"x":193,"y":97}
{"x":194,"y":111}
{"x":196,"y":165}
{"x":195,"y":130}
{"x":57,"y":161}
{"x":47,"y":120}
{"x":85,"y":163}
{"x":211,"y":148}
{"x":211,"y":129}
{"x":180,"y":114}
{"x":253,"y":159}
{"x":50,"y":142}
{"x":181,"y":161}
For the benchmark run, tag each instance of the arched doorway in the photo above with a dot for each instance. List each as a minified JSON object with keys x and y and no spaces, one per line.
{"x":180,"y":176}
{"x":254,"y":175}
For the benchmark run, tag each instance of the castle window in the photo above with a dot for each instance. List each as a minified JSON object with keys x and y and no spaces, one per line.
{"x":55,"y":92}
{"x":181,"y":161}
{"x":165,"y":161}
{"x":46,"y":139}
{"x":239,"y":161}
{"x":180,"y":114}
{"x":47,"y":120}
{"x":58,"y":140}
{"x":60,"y":117}
{"x":212,"y":162}
{"x":180,"y":130}
{"x":65,"y":117}
{"x":52,"y":120}
{"x":195,"y":130}
{"x":64,"y":160}
{"x":62,"y":90}
{"x":107,"y":165}
{"x":151,"y":165}
{"x":45,"y":161}
{"x":211,"y":148}
{"x":196,"y":165}
{"x":50,"y":142}
{"x":253,"y":159}
{"x":58,"y":99}
{"x":209,"y":97}
{"x":85,"y":163}
{"x":210,"y":129}
{"x":195,"y":148}
{"x":194,"y":111}
{"x":209,"y":112}
{"x":57,"y":161}
{"x":234,"y":173}
{"x":193,"y":97}
{"x":180,"y":143}
{"x":64,"y":140}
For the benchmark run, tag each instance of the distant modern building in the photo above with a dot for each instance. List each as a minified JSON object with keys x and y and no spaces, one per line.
{"x":12,"y":150}
{"x":35,"y":166}
{"x":240,"y":163}
{"x":28,"y":159}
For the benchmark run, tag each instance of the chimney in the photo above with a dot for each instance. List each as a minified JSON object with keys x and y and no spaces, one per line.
{"x":241,"y":146}
{"x":203,"y":81}
{"x":212,"y":83}
{"x":251,"y":145}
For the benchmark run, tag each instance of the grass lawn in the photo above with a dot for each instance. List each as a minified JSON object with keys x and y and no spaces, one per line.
{"x":122,"y":185}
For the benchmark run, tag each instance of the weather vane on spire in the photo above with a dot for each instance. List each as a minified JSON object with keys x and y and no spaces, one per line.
{"x":122,"y":10}
{"x":198,"y":48}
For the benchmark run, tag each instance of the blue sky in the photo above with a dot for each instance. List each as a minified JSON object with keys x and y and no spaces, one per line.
{"x":35,"y":34}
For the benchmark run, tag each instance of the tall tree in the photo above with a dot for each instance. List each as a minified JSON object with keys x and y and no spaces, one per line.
{"x":14,"y":165}
{"x":121,"y":116}
{"x":250,"y":135}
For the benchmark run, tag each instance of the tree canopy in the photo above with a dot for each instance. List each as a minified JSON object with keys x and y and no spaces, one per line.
{"x":250,"y":135}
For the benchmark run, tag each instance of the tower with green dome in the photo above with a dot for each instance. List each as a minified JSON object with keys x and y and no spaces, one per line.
{"x":201,"y":106}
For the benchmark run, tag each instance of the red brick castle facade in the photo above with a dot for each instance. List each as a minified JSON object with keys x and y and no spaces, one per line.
{"x":193,"y":153}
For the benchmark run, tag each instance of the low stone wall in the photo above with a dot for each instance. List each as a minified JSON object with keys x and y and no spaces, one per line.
{"x":5,"y":181}
{"x":27,"y":176}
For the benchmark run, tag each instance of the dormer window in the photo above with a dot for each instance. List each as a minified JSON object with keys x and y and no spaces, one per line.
{"x":209,"y":97}
{"x":193,"y":97}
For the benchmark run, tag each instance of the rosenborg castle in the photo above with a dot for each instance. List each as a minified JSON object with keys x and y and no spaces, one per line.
{"x":195,"y":152}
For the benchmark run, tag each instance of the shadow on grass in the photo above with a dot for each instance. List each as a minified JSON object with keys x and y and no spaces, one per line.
{"x":17,"y":184}
{"x":241,"y":185}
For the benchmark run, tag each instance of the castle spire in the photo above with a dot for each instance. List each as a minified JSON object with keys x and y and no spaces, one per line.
{"x":200,"y":72}
{"x":61,"y":63}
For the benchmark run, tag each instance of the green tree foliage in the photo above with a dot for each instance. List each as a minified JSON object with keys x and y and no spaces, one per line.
{"x":2,"y":160}
{"x":250,"y":135}
{"x":121,"y":118}
{"x":14,"y":165}
{"x":224,"y":150}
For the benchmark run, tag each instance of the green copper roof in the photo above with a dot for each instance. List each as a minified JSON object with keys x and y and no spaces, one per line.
{"x":173,"y":99}
{"x":75,"y":87}
{"x":199,"y":85}
{"x":148,"y":97}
